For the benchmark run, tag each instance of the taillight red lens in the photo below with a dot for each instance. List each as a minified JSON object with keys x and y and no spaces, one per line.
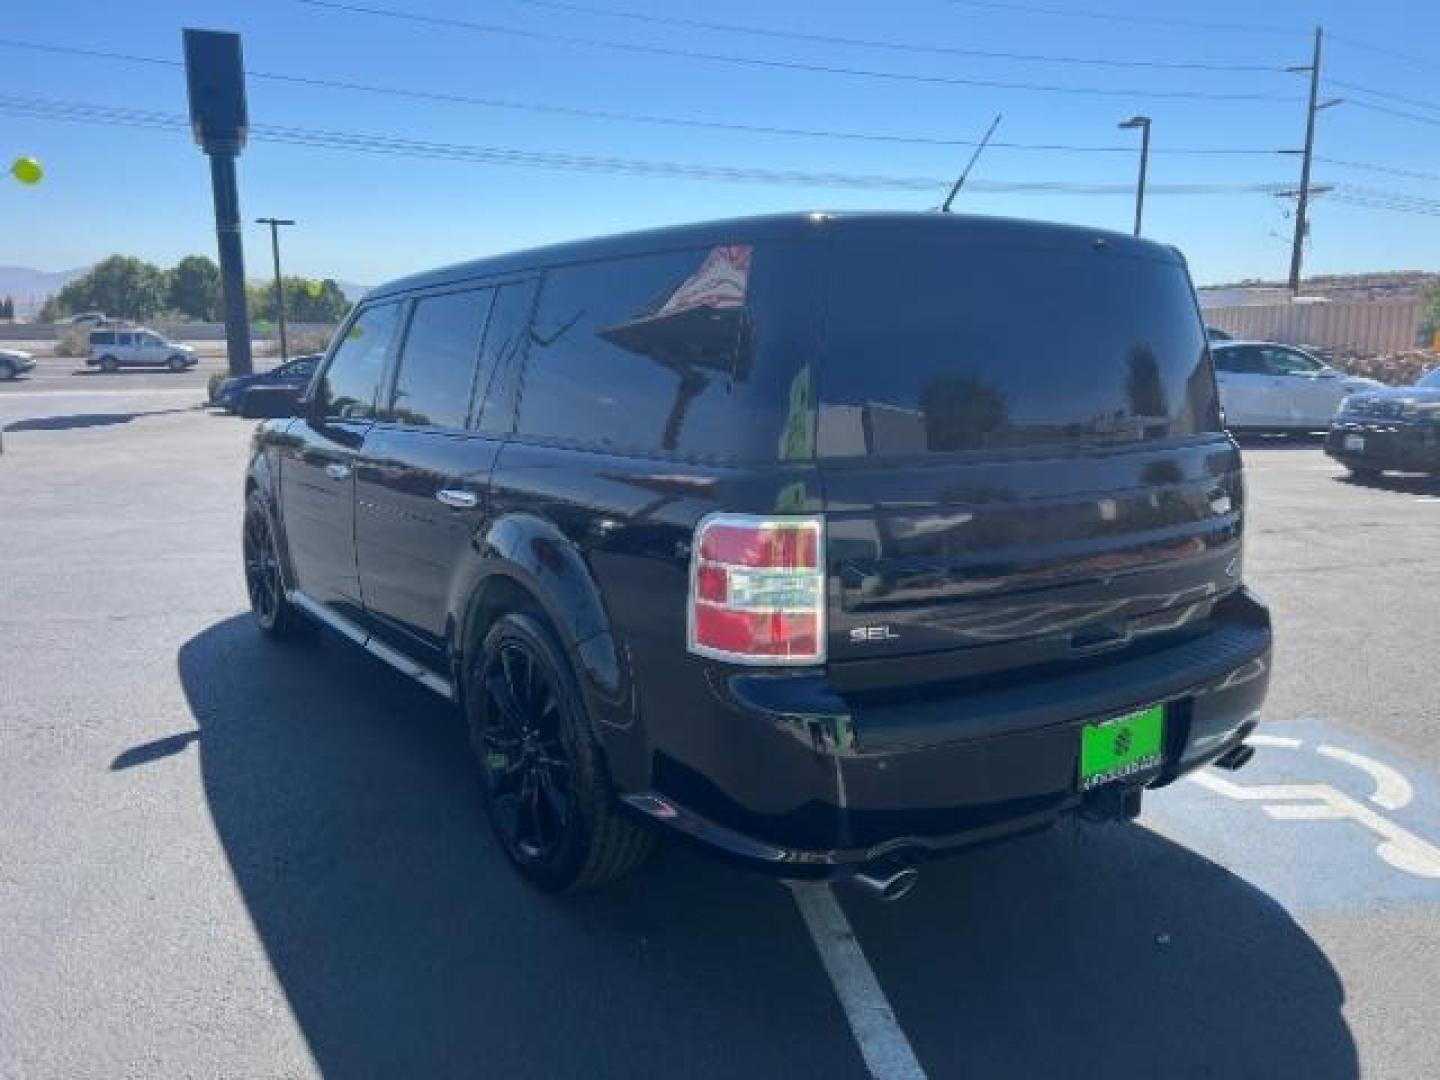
{"x":757,"y":591}
{"x":778,"y":546}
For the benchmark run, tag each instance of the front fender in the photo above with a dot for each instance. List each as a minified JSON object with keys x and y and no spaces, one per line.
{"x":263,"y":476}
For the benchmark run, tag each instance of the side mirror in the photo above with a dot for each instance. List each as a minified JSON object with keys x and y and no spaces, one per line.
{"x":271,"y":402}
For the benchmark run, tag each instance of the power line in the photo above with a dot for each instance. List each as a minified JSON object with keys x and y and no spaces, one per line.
{"x":893,"y":46}
{"x":788,"y":65}
{"x":1419,"y":201}
{"x":1383,"y":94}
{"x":1375,"y":204}
{"x":1388,"y":170}
{"x":1388,"y":111}
{"x":635,"y":117}
{"x":80,"y":112}
{"x":1394,"y":54}
{"x":1114,"y":17}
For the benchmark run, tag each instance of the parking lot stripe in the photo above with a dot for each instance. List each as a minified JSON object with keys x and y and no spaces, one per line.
{"x":883,"y":1045}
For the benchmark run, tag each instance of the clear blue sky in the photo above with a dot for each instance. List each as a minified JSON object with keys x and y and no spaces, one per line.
{"x":366,"y":217}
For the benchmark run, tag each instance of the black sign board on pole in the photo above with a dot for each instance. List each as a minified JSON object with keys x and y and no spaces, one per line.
{"x":215,"y":77}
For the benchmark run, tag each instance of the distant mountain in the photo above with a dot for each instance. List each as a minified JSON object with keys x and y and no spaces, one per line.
{"x":352,"y":292}
{"x":30,"y":287}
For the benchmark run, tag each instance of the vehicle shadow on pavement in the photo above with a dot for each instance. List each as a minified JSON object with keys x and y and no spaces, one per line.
{"x":72,"y":421}
{"x":347,"y":806}
{"x":1405,"y":484}
{"x":345,"y":801}
{"x":1104,"y":950}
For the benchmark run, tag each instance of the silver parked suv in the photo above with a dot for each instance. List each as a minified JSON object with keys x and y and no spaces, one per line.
{"x":111,"y":350}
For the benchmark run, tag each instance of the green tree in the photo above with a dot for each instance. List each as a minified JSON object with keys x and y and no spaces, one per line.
{"x":306,"y":300}
{"x":1429,"y":311}
{"x":121,"y":286}
{"x":194,"y":288}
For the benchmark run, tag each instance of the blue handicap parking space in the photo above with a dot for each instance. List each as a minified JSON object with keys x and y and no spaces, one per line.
{"x":1322,"y":819}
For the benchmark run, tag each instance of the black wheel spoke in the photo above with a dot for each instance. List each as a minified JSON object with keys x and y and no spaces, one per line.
{"x":529,"y":774}
{"x":556,"y":799}
{"x":504,"y":699}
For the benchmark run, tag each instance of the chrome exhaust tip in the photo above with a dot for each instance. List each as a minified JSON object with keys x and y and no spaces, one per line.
{"x":887,"y":884}
{"x":1236,"y":757}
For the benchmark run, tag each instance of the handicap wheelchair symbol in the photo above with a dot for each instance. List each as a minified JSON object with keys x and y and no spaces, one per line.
{"x":1398,"y":847}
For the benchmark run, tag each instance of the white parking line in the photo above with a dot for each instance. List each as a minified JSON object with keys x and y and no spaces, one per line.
{"x":883,"y":1045}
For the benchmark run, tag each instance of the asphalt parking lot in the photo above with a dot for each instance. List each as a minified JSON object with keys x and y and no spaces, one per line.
{"x":225,"y":857}
{"x":64,"y":375}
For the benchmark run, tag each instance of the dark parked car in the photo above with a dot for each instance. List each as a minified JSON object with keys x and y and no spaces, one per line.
{"x":801,"y":537}
{"x":1394,"y":428}
{"x":292,"y":373}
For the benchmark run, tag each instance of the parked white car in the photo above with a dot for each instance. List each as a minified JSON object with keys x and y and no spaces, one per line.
{"x":1270,"y":387}
{"x":13,"y":363}
{"x":111,"y":350}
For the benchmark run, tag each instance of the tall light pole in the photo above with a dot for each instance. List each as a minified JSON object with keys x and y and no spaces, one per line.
{"x":275,"y":223}
{"x":1143,"y":123}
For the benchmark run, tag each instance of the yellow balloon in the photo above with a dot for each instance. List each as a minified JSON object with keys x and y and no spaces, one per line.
{"x":27,"y":170}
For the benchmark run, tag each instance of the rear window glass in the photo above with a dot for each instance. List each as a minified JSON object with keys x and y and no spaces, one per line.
{"x":702,"y":353}
{"x":946,"y":345}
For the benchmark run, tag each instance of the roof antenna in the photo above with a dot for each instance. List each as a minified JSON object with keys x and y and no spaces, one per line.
{"x":945,"y":206}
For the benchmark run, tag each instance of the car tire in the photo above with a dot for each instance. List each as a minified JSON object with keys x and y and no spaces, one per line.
{"x":109,"y":365}
{"x":176,"y":364}
{"x":7,"y":371}
{"x":1362,"y":474}
{"x":547,"y":792}
{"x":274,"y":614}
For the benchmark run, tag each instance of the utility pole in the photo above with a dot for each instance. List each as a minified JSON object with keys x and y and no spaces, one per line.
{"x":1143,"y":123}
{"x":1302,"y":202}
{"x":275,"y":224}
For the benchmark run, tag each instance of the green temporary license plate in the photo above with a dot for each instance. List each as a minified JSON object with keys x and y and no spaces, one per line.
{"x":1121,"y":746}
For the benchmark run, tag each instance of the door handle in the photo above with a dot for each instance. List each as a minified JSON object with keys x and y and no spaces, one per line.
{"x":458,"y":498}
{"x":337,"y":471}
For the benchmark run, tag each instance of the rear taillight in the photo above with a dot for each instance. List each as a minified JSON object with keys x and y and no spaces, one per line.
{"x":757,"y":590}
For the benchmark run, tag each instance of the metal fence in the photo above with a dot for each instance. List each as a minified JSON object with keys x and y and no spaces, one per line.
{"x":174,"y":331}
{"x":1365,"y":327}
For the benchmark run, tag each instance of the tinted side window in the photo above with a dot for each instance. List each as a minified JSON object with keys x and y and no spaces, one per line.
{"x":1244,"y":360}
{"x":1288,"y":362}
{"x":504,"y":348}
{"x":703,"y":353}
{"x":437,"y":363}
{"x":106,"y":337}
{"x":348,"y":389}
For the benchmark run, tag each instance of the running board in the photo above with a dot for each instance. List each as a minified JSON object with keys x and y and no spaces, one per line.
{"x":374,"y":646}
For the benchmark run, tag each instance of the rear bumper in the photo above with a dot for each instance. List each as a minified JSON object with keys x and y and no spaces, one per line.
{"x":799,"y":781}
{"x":1394,"y":444}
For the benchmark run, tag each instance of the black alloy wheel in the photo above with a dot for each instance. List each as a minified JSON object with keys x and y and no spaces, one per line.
{"x":546,"y":789}
{"x":529,"y":775}
{"x":274,"y":614}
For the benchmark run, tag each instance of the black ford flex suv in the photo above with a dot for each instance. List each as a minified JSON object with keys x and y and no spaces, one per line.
{"x":830,"y":542}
